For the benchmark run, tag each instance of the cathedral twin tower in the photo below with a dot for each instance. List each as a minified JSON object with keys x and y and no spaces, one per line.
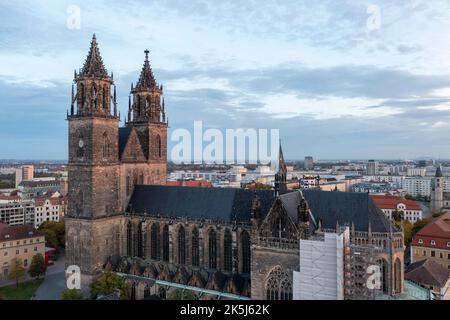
{"x":106,"y":161}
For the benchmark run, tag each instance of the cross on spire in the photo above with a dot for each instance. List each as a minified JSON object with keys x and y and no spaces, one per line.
{"x":146,"y":79}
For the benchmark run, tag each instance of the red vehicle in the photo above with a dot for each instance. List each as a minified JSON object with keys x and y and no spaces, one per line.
{"x":49,"y":254}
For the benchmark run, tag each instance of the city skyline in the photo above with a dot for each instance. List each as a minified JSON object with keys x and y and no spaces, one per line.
{"x":338,"y":84}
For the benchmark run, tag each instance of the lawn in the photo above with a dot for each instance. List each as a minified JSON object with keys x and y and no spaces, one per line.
{"x":24,"y":292}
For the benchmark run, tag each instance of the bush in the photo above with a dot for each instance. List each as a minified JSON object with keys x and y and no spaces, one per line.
{"x":71,"y":294}
{"x":107,"y":283}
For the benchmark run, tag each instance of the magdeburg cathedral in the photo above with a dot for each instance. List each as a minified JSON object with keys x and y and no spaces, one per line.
{"x":214,"y":242}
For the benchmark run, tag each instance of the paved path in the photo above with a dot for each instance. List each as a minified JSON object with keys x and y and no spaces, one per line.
{"x":54,"y":282}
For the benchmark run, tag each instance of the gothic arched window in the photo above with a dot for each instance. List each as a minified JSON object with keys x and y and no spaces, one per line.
{"x":384,"y":275}
{"x":279,"y":230}
{"x":278,"y":285}
{"x":81,"y":98}
{"x":105,"y":149}
{"x":245,"y":247}
{"x":148,"y":108}
{"x":158,"y":146}
{"x":105,"y":98}
{"x":181,"y":246}
{"x":138,"y":102}
{"x":166,"y":243}
{"x":133,"y":291}
{"x":94,"y":95}
{"x":397,"y":276}
{"x":147,"y":292}
{"x":128,"y":186}
{"x":140,"y":241}
{"x":212,"y":241}
{"x":195,"y":248}
{"x":129,"y":240}
{"x":155,"y":242}
{"x":227,"y":251}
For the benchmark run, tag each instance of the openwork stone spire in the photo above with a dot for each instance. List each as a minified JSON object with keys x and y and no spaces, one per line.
{"x":93,"y":66}
{"x":146,"y":79}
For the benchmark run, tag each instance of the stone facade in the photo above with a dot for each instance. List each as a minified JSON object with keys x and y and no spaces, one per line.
{"x":106,"y":161}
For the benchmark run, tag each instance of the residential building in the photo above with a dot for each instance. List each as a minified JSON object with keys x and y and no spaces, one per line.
{"x":416,"y":172}
{"x":433,"y":242}
{"x":431,"y":275}
{"x":410,"y":209}
{"x":22,"y":242}
{"x":49,"y":209}
{"x":17,"y":212}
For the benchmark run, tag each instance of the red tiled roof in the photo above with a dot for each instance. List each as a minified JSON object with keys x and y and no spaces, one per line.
{"x":437,"y":230}
{"x":39,"y":202}
{"x":391,"y":202}
{"x":8,"y":232}
{"x":189,"y":183}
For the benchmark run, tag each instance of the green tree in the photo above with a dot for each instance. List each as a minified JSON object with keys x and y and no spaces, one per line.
{"x":17,"y":272}
{"x":54,"y":232}
{"x":397,"y":215}
{"x":178,"y":294}
{"x":71,"y":294}
{"x":107,"y":282}
{"x":407,"y":231}
{"x":37,"y":266}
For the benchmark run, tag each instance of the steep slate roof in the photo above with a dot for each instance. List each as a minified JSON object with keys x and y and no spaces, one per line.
{"x":222,"y":204}
{"x":124,"y":133}
{"x":428,"y":272}
{"x":346,"y":207}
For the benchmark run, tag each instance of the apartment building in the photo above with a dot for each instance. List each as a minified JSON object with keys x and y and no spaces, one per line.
{"x":49,"y":209}
{"x":22,"y":242}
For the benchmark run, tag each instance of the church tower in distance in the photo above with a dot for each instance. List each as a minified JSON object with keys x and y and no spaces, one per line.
{"x":437,"y":191}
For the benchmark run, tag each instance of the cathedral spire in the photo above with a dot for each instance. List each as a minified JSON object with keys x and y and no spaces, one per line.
{"x":93,"y":66}
{"x":146,"y":79}
{"x":281,"y":175}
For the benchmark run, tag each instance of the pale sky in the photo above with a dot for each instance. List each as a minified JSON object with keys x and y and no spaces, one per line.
{"x":340,"y":79}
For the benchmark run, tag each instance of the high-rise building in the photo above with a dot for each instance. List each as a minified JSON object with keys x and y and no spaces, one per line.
{"x":24,"y":173}
{"x":309,"y":163}
{"x":372,"y":168}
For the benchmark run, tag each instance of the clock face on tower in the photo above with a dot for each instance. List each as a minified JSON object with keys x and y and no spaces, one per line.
{"x":81,"y":143}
